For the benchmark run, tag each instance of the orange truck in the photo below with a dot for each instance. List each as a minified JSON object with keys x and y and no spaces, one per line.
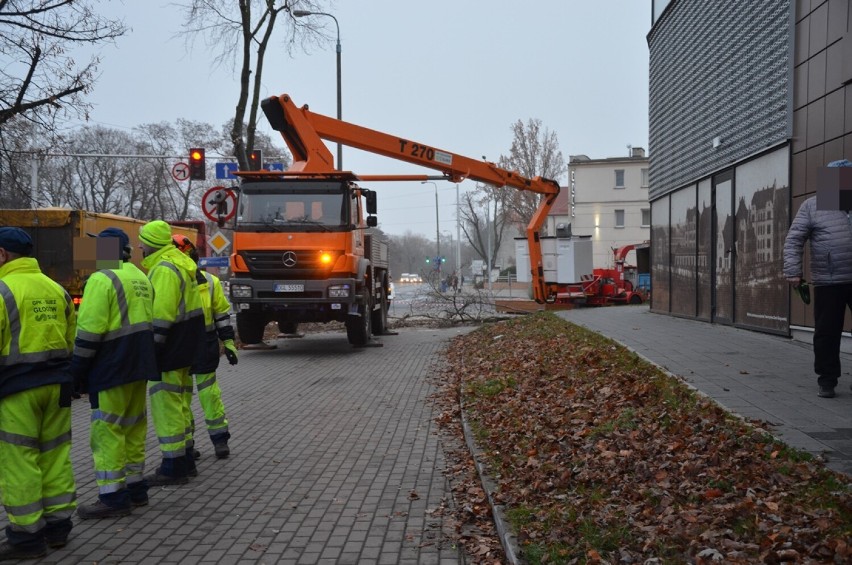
{"x":302,"y":249}
{"x":66,"y":254}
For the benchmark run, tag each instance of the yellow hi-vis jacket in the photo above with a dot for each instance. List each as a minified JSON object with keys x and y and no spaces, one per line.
{"x":178,"y":317}
{"x":115,"y":331}
{"x":37,"y":325}
{"x":217,"y":322}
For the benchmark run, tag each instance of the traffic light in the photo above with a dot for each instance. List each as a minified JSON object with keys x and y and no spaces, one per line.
{"x":197,"y":166}
{"x":255,"y":160}
{"x":428,"y":260}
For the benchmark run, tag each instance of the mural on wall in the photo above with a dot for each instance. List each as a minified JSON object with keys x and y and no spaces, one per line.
{"x":684,"y":225}
{"x":660,"y":288}
{"x":762,"y":216}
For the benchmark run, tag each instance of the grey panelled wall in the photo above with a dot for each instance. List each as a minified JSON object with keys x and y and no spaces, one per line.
{"x":719,"y":69}
{"x":822,"y":104}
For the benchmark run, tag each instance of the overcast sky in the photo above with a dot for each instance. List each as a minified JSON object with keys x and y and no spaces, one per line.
{"x":452,"y":74}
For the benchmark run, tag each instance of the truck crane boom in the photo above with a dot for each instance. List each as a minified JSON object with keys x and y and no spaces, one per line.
{"x":304,"y":132}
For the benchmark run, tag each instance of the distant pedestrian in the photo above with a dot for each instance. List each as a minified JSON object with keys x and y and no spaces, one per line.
{"x":178,"y":333}
{"x":830,"y":235}
{"x":114,"y":358}
{"x":454,"y":280}
{"x":37,"y":322}
{"x":217,"y":320}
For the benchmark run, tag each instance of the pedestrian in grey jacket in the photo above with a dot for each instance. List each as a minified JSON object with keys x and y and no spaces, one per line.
{"x":830,"y":235}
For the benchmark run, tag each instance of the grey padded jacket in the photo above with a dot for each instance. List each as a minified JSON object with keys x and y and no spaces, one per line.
{"x":830,"y":235}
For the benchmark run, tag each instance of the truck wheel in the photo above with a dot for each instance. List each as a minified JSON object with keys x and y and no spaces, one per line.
{"x":250,"y":326}
{"x":358,"y":328}
{"x":635,"y":299}
{"x":380,"y":314}
{"x":288,"y":327}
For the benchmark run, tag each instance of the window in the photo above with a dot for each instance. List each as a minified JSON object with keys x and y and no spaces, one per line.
{"x":646,"y":217}
{"x":619,"y":178}
{"x":644,"y":173}
{"x":619,"y":218}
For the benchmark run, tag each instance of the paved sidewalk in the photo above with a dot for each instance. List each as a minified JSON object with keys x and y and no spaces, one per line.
{"x":756,"y":375}
{"x":335,"y":458}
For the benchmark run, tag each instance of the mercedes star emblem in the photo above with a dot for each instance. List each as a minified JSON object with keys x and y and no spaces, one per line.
{"x":289,"y":259}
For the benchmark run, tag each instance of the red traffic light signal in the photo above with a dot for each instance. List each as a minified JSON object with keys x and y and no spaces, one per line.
{"x":255,"y":160}
{"x":197,"y":166}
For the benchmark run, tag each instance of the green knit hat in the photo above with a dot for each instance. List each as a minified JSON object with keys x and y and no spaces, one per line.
{"x":156,"y":234}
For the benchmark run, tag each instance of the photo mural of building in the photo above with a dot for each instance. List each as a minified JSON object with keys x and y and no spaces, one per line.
{"x":747,"y":100}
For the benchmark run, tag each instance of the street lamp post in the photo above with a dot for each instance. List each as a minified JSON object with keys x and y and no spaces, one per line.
{"x":301,"y":14}
{"x":437,"y":223}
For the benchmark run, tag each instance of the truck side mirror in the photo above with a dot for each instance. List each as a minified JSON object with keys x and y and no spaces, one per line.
{"x":372,"y":221}
{"x":370,"y":197}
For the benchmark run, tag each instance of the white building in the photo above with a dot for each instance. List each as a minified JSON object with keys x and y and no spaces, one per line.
{"x":607,"y":199}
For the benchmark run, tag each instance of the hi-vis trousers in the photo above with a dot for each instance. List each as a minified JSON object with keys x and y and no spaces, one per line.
{"x":210,"y":397}
{"x":170,"y":413}
{"x":117,"y":436}
{"x":36,"y":478}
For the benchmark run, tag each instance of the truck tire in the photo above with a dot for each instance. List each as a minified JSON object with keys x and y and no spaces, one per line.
{"x":635,"y":299}
{"x":359,"y":328}
{"x":250,"y":326}
{"x":380,"y":314}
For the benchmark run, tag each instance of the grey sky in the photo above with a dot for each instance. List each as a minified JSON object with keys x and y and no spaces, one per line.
{"x":453,"y":74}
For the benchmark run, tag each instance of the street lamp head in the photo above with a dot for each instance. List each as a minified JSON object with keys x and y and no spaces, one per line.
{"x":302,"y":13}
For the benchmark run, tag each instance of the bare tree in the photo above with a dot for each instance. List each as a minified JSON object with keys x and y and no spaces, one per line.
{"x":534,"y":153}
{"x":483,"y":218}
{"x":239,"y":32}
{"x":39,"y":70}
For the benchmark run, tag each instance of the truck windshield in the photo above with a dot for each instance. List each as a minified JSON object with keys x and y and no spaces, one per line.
{"x":302,"y":206}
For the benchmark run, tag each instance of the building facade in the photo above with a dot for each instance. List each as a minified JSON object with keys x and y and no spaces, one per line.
{"x":747,"y":100}
{"x":606,"y":199}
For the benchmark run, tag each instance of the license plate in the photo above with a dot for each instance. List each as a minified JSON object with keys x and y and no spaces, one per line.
{"x":282,"y":287}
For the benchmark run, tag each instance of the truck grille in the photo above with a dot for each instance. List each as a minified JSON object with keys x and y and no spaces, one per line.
{"x":284,"y":264}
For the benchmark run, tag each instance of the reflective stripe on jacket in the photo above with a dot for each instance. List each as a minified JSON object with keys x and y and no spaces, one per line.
{"x":217,"y":322}
{"x":178,"y":317}
{"x":37,"y":324}
{"x":115,"y":330}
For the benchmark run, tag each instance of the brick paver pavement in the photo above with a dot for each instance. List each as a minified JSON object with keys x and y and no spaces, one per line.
{"x":335,"y":458}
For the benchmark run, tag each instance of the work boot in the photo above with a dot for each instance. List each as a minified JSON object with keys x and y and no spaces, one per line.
{"x":196,"y":454}
{"x":159,"y":480}
{"x":191,"y":469}
{"x":56,"y":533}
{"x":138,"y":493}
{"x":172,"y":471}
{"x":9,"y":552}
{"x":22,"y":545}
{"x":826,"y":392}
{"x":99,"y":509}
{"x":222,"y":450}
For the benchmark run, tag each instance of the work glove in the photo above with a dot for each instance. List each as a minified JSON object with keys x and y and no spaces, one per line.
{"x":230,"y":351}
{"x":804,"y":291}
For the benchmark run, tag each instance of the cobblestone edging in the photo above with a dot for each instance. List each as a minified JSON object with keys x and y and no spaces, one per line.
{"x":507,"y":538}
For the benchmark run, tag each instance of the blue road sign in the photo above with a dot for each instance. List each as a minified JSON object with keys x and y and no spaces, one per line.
{"x":224,"y":170}
{"x":213,"y":261}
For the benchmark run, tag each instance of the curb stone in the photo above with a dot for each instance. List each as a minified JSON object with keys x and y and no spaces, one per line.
{"x":507,"y":538}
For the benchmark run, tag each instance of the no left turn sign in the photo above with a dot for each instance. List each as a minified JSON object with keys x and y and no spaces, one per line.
{"x":180,"y":172}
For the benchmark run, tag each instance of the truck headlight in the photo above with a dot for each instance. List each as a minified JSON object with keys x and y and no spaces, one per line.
{"x":240,"y":291}
{"x":338,"y":291}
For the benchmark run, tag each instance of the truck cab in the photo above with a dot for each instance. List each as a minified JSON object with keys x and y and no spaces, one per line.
{"x":302,"y":252}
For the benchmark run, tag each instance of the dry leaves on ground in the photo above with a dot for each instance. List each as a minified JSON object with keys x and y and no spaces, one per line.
{"x":601,"y":458}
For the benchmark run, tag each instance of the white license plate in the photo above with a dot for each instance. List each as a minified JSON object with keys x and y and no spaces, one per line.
{"x":281,"y":287}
